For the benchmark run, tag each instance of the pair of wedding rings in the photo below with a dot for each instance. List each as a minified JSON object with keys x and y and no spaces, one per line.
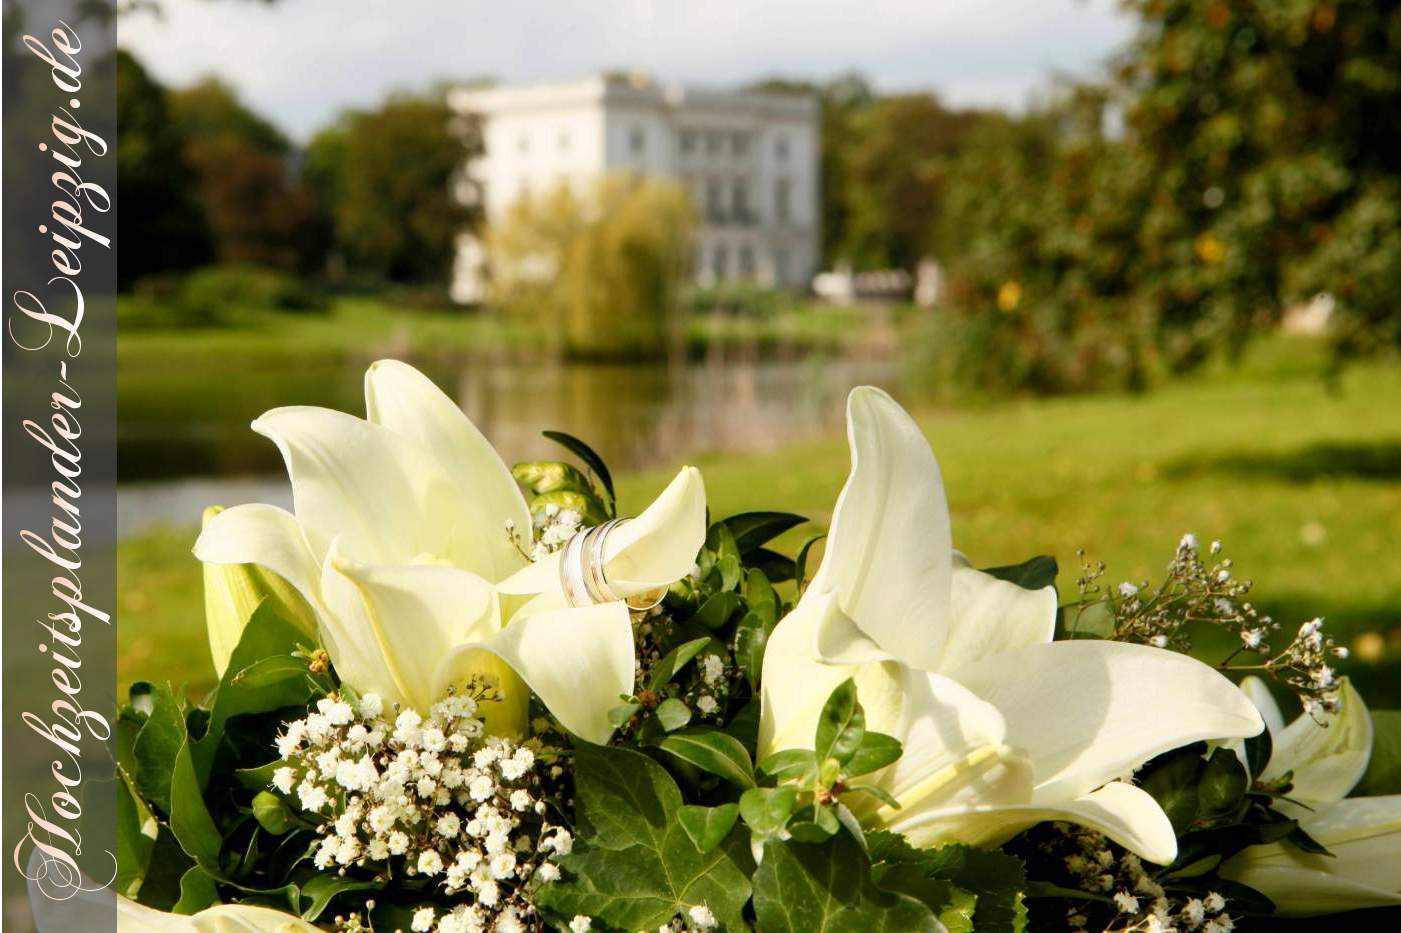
{"x":582,"y":574}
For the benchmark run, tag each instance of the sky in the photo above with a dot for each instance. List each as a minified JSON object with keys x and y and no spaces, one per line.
{"x":301,"y":62}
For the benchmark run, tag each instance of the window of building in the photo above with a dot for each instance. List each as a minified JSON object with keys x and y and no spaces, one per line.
{"x":780,"y":266}
{"x":740,"y":200}
{"x":746,"y":261}
{"x":782,"y":199}
{"x":637,"y":140}
{"x":741,"y":144}
{"x":714,"y":201}
{"x":688,"y":141}
{"x":714,"y":142}
{"x":780,"y":148}
{"x":720,"y":261}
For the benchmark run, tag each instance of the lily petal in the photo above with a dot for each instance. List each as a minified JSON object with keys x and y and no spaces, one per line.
{"x":1264,"y":701}
{"x":267,"y":536}
{"x":1125,"y":813}
{"x":1091,"y":711}
{"x":386,"y":499}
{"x":405,"y":401}
{"x":1327,"y":757}
{"x":655,"y":549}
{"x":659,"y":547}
{"x":988,"y":616}
{"x":224,"y":918}
{"x":417,"y":615}
{"x":1364,"y":835}
{"x":889,"y":549}
{"x":795,"y":685}
{"x":578,"y":661}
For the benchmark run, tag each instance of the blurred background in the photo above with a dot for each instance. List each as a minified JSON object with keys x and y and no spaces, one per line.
{"x":1135,"y":265}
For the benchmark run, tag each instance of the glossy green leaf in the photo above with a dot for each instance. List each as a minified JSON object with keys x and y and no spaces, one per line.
{"x":271,"y":812}
{"x":589,"y":457}
{"x":766,"y":809}
{"x":752,"y":530}
{"x":715,"y":752}
{"x":156,"y":745}
{"x":876,"y":751}
{"x":1034,"y":574}
{"x":1383,"y":774}
{"x":673,"y":714}
{"x":708,"y":826}
{"x":675,"y":660}
{"x":791,"y":764}
{"x":842,"y":724}
{"x":800,"y":563}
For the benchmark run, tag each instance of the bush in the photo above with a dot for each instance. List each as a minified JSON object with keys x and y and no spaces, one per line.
{"x":214,"y":295}
{"x":745,"y":299}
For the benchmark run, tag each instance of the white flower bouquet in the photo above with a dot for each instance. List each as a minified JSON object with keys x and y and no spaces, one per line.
{"x":457,"y":697}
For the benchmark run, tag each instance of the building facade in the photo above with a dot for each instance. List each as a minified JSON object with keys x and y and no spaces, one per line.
{"x":748,"y":159}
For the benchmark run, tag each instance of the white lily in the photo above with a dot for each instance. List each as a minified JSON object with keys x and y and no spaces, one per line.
{"x":399,"y":543}
{"x":225,"y":918}
{"x":1002,"y":727}
{"x":1326,"y":758}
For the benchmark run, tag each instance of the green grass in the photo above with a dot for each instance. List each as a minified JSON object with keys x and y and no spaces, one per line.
{"x":1302,"y":483}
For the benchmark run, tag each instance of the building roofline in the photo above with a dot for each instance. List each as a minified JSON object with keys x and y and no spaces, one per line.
{"x":636,"y":90}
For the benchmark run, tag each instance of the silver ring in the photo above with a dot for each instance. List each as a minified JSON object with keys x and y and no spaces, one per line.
{"x":583,"y":577}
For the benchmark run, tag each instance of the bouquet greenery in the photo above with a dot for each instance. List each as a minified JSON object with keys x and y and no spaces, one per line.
{"x":458,"y":697}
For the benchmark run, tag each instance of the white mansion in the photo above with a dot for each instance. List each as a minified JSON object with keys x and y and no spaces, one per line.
{"x":749,"y":159}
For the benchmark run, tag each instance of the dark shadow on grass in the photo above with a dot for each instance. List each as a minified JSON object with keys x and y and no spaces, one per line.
{"x":1377,"y":461}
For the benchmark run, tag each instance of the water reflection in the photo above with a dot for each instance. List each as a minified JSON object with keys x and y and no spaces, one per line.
{"x":185,"y":441}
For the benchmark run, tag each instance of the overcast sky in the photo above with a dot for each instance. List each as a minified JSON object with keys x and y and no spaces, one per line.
{"x":300,"y":62}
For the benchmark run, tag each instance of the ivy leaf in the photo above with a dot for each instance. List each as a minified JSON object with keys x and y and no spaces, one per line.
{"x":801,"y":888}
{"x":842,"y":724}
{"x":708,"y":826}
{"x":1034,"y":574}
{"x":766,"y":810}
{"x":1172,"y":779}
{"x":751,"y":530}
{"x":634,"y":865}
{"x":590,"y":459}
{"x":713,"y":751}
{"x":1222,"y":785}
{"x":998,"y":879}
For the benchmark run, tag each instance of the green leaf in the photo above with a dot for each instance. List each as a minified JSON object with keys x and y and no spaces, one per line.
{"x":674,"y":660}
{"x":1172,"y":780}
{"x":259,"y":778}
{"x":589,"y":506}
{"x":842,"y":724}
{"x":634,"y":865}
{"x":1034,"y":574}
{"x":1383,"y":774}
{"x":880,"y":793}
{"x":271,"y":671}
{"x":189,"y":817}
{"x":272,"y":814}
{"x":800,"y":563}
{"x":875,"y":752}
{"x":998,"y":879}
{"x":803,"y":888}
{"x":951,"y":904}
{"x":590,"y":459}
{"x":708,"y":826}
{"x":713,"y":751}
{"x":760,"y":596}
{"x":754,"y":529}
{"x":542,"y":476}
{"x":265,"y":636}
{"x":766,"y":809}
{"x":790,"y":764}
{"x":728,"y":559}
{"x":716,"y":610}
{"x":673,"y":714}
{"x":197,"y":891}
{"x":1222,"y":786}
{"x":777,"y":567}
{"x":1259,"y":748}
{"x":621,"y":714}
{"x":157,"y":744}
{"x":317,"y":891}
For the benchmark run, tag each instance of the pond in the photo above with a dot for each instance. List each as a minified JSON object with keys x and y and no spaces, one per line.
{"x":185,"y":443}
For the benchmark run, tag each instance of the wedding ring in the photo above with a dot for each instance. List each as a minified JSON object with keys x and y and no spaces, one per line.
{"x":583,"y":577}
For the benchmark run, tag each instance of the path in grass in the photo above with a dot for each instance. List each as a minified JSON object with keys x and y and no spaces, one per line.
{"x":1302,"y":484}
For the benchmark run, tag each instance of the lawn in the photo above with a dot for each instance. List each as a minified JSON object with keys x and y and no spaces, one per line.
{"x":1301,"y":482}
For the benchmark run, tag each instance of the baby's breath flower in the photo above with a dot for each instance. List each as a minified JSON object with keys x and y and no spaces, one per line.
{"x":423,"y":920}
{"x":1126,"y":902}
{"x":580,"y":924}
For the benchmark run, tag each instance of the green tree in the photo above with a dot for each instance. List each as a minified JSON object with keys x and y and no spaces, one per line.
{"x":599,"y":271}
{"x":257,"y":212}
{"x":1273,"y":134}
{"x":388,"y":176}
{"x":163,"y":226}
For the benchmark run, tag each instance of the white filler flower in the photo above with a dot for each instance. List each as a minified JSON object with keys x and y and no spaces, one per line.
{"x":399,"y":543}
{"x":1002,"y":727}
{"x":1325,"y":757}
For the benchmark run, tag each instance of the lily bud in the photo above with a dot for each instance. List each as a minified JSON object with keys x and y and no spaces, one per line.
{"x":231,"y":594}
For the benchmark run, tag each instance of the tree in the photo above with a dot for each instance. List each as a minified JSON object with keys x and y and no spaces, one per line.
{"x":891,"y":181}
{"x":1273,"y":134}
{"x":163,"y":226}
{"x":257,"y":212}
{"x":600,"y":270}
{"x":388,"y":175}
